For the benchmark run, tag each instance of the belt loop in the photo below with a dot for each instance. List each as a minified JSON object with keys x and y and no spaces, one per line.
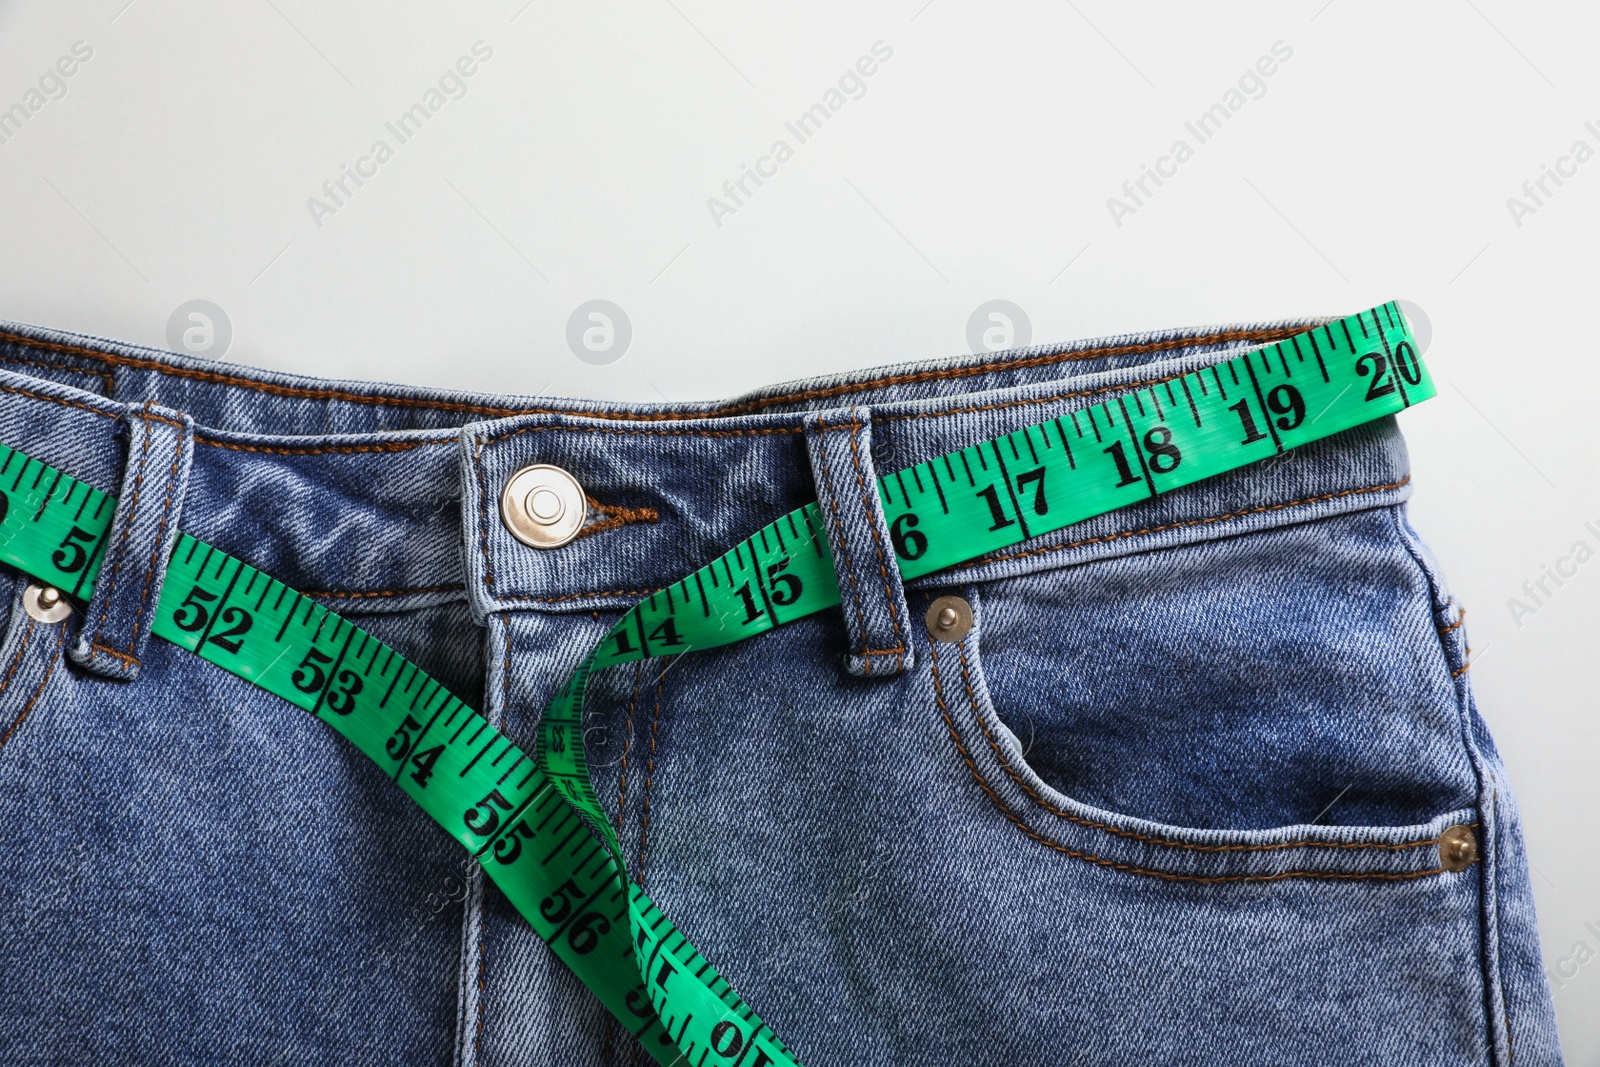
{"x":874,"y":602}
{"x":116,"y":624}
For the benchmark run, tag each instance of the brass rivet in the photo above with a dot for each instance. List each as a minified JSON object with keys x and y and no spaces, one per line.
{"x":543,"y":506}
{"x":45,"y":603}
{"x":949,"y":618}
{"x":1458,"y":848}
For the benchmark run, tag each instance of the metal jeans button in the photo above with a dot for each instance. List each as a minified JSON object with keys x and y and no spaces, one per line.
{"x":1458,"y":848}
{"x":949,"y":618}
{"x":45,"y":603}
{"x":543,"y":506}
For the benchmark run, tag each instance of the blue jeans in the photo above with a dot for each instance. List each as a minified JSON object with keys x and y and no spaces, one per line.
{"x":1175,"y":798}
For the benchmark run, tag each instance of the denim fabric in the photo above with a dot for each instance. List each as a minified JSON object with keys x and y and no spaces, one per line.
{"x":874,"y":611}
{"x":1175,"y":798}
{"x":144,"y":528}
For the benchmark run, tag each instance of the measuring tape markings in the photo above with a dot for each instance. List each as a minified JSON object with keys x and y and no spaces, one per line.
{"x":533,"y":821}
{"x":770,"y":581}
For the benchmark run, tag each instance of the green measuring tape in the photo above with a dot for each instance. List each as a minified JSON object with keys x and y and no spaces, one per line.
{"x":524,"y":816}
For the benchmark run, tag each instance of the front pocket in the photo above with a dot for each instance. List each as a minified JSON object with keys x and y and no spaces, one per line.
{"x":1263,"y":705}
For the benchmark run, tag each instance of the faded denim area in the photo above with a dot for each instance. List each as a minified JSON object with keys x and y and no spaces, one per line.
{"x":1175,"y":798}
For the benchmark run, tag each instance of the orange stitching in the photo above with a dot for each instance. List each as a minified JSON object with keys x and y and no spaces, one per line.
{"x":1186,"y":522}
{"x":56,"y":399}
{"x":1034,"y":835}
{"x":381,"y":446}
{"x":618,"y":516}
{"x":353,"y":594}
{"x":1044,"y":803}
{"x":108,"y":650}
{"x":247,"y":383}
{"x":998,"y":405}
{"x":483,"y":517}
{"x":106,"y":380}
{"x":640,"y":514}
{"x":916,"y":377}
{"x":1459,"y":671}
{"x":1461,"y":617}
{"x":872,"y":526}
{"x":48,"y":672}
{"x":717,"y":411}
{"x":838,"y":525}
{"x":1033,"y":551}
{"x":1026,"y":400}
{"x":16,"y":661}
{"x":161,"y":531}
{"x":364,"y":594}
{"x":127,"y":529}
{"x":755,"y":432}
{"x":577,"y":596}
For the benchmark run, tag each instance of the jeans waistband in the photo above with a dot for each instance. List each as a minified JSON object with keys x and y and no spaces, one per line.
{"x":385,"y":497}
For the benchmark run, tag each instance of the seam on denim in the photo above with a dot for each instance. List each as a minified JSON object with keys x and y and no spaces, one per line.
{"x":1118,"y":536}
{"x":1453,"y":648}
{"x":942,"y":412}
{"x":1024,"y":401}
{"x":627,"y":746}
{"x":5,"y":683}
{"x":483,"y":908}
{"x":1263,"y":335}
{"x":763,"y":431}
{"x":318,"y":450}
{"x":505,"y":676}
{"x":577,"y":596}
{"x":1257,"y":510}
{"x":917,"y":377}
{"x":1047,"y":805}
{"x":841,"y":542}
{"x":615,"y":517}
{"x":483,"y":959}
{"x":872,"y":527}
{"x":108,"y":650}
{"x":1032,"y":834}
{"x":247,"y":383}
{"x":160,"y":538}
{"x":308,"y":450}
{"x":1461,"y":617}
{"x":151,"y":416}
{"x":483,"y":516}
{"x":649,"y":773}
{"x":364,"y":594}
{"x":122,"y":542}
{"x":57,"y":400}
{"x":22,"y":715}
{"x":105,"y":377}
{"x":1502,"y":985}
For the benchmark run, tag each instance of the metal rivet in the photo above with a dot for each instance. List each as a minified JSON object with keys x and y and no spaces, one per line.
{"x":1458,"y":848}
{"x":46,"y":603}
{"x":543,"y":506}
{"x":949,"y":618}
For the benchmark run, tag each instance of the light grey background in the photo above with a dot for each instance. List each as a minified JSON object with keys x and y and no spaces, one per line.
{"x":976,"y":165}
